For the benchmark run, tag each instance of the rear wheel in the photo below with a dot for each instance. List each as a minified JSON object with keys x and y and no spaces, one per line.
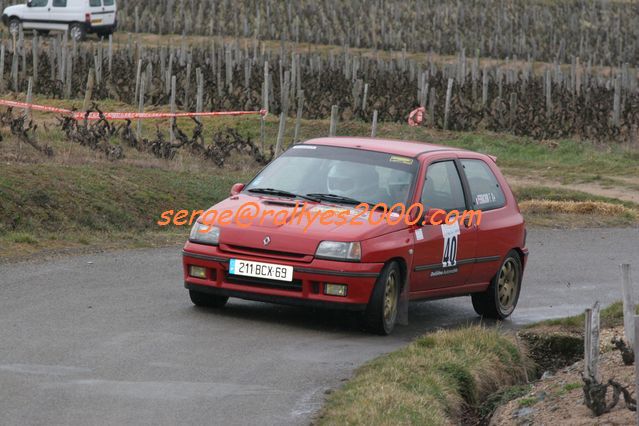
{"x":501,"y":298}
{"x":207,"y":300}
{"x":77,"y":31}
{"x":14,"y":26}
{"x":381,"y":312}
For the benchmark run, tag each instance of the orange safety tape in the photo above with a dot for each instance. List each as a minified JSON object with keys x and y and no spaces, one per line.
{"x":126,"y":115}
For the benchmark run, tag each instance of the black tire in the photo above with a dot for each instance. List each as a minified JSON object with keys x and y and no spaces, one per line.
{"x":381,"y":313}
{"x":78,"y":31}
{"x":206,"y":300}
{"x":14,"y":26}
{"x":501,"y":297}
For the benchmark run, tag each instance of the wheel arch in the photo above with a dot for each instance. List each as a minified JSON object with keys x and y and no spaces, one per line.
{"x":521,"y":254}
{"x":403,"y":269}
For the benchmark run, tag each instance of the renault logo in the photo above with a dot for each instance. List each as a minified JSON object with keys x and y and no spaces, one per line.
{"x":267,"y":241}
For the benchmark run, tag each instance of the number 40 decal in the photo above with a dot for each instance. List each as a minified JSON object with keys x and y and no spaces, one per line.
{"x":451,"y":242}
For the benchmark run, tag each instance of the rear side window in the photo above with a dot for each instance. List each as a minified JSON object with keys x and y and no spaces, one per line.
{"x":485,"y":191}
{"x":443,"y":188}
{"x":95,"y":3}
{"x":59,"y":3}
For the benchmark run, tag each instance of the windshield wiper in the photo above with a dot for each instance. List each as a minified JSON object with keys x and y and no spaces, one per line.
{"x":335,"y":198}
{"x":281,"y":193}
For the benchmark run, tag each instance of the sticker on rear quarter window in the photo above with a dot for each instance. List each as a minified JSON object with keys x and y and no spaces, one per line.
{"x":486,"y":198}
{"x":403,"y":160}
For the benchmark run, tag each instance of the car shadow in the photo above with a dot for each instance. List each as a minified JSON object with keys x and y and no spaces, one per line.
{"x":423,"y":317}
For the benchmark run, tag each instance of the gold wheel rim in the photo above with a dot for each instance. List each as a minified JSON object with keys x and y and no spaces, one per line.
{"x":390,"y":298}
{"x":508,"y":282}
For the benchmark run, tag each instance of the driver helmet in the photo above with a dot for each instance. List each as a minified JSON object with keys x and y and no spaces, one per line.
{"x":351,"y":179}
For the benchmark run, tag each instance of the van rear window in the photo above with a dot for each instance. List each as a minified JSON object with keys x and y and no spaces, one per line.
{"x":95,"y":3}
{"x":109,"y":2}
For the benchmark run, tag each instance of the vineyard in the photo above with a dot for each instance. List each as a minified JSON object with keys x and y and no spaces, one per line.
{"x":529,"y":99}
{"x":598,"y":31}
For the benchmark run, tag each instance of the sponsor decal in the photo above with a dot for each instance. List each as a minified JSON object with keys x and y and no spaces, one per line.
{"x":442,"y":272}
{"x":402,"y":160}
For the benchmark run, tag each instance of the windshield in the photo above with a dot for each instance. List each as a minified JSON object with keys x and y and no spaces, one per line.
{"x":340,"y":175}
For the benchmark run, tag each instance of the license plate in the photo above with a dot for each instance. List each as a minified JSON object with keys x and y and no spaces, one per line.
{"x":261,"y":270}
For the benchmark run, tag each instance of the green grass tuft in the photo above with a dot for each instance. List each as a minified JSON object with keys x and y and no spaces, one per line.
{"x":430,"y":381}
{"x":610,"y":316}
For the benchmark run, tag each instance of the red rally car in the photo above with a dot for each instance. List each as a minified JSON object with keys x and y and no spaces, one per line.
{"x":370,"y":266}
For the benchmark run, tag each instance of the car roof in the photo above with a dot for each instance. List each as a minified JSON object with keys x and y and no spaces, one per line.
{"x":389,"y":146}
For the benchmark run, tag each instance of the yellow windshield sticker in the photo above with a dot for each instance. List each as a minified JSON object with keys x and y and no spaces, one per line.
{"x":403,"y":160}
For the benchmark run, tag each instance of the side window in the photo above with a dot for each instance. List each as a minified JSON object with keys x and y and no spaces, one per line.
{"x":39,"y":3}
{"x":443,"y":188}
{"x":59,"y":3}
{"x":485,"y":190}
{"x":95,"y":3}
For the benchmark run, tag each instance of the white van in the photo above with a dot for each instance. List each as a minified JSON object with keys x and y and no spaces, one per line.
{"x":79,"y":17}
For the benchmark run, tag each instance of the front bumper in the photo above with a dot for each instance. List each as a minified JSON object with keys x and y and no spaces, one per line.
{"x":307,"y":288}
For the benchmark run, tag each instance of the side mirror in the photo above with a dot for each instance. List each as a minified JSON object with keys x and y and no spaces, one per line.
{"x":433,"y":217}
{"x":236,"y":189}
{"x":29,"y":3}
{"x":421,"y":218}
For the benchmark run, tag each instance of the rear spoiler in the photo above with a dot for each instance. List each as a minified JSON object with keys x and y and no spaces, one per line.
{"x":492,"y":157}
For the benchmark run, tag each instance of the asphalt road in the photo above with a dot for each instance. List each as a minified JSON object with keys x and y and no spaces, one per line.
{"x":113,"y":339}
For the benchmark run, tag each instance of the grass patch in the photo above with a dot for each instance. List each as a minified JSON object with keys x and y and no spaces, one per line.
{"x":431,"y":381}
{"x":555,"y":207}
{"x":562,"y":390}
{"x":501,"y":397}
{"x":577,"y":207}
{"x":47,"y":206}
{"x":528,"y":193}
{"x":609,"y":317}
{"x":22,"y":238}
{"x":527,"y":402}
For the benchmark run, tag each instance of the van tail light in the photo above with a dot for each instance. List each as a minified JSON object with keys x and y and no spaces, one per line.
{"x":87,"y":18}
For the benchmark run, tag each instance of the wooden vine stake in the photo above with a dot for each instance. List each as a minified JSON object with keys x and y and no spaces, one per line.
{"x":636,"y":348}
{"x":332,"y":131}
{"x":280,"y":134}
{"x":629,"y":309}
{"x":88,"y":94}
{"x":374,"y":126}
{"x":591,"y":344}
{"x":449,"y":94}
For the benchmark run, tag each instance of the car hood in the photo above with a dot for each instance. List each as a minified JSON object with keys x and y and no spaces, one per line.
{"x":299,"y":235}
{"x":12,"y":10}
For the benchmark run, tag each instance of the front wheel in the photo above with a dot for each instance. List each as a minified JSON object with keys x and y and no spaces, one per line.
{"x":207,"y":300}
{"x":501,"y":297}
{"x":77,"y":31}
{"x":381,"y":312}
{"x":14,"y":27}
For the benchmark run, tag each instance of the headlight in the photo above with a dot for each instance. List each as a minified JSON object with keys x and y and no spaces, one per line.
{"x":205,"y":234}
{"x":339,"y":251}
